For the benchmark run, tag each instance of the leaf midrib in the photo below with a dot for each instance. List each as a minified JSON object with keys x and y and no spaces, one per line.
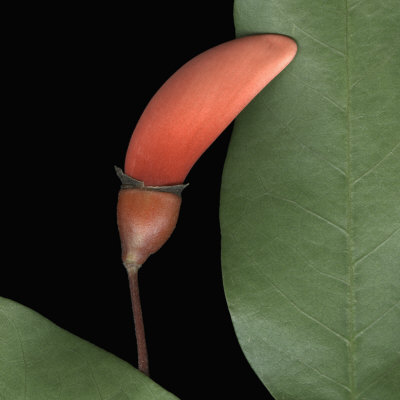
{"x":349,"y":217}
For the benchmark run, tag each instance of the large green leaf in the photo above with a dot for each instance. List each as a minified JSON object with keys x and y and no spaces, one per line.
{"x":310,"y":204}
{"x":40,"y":361}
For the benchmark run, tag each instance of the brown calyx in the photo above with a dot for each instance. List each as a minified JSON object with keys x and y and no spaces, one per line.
{"x":146,"y":219}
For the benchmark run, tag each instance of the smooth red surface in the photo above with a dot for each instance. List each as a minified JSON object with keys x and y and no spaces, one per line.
{"x":198,"y":102}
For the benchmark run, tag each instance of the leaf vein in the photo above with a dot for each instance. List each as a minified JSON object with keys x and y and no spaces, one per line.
{"x":316,"y":91}
{"x":356,"y":5}
{"x":308,"y":316}
{"x":311,"y":265}
{"x":93,"y":378}
{"x":380,"y":377}
{"x":349,"y":214}
{"x":22,"y":351}
{"x":289,"y":131}
{"x":377,"y":164}
{"x":362,"y":258}
{"x":372,"y":70}
{"x":320,"y":156}
{"x":376,"y":321}
{"x":312,"y":37}
{"x":290,"y":356}
{"x":338,"y":227}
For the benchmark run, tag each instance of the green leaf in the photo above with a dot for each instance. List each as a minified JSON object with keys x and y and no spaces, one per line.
{"x":40,"y":361}
{"x":310,"y":204}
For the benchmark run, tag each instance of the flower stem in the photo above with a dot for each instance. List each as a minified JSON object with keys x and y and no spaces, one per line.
{"x":143,"y":362}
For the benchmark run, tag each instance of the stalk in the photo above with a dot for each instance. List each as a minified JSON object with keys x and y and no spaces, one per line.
{"x":143,"y":361}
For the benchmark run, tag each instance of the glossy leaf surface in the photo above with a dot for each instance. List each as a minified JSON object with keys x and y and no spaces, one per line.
{"x":310,"y":204}
{"x":39,"y":361}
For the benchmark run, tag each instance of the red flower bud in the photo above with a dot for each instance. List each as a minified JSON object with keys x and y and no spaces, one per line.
{"x":180,"y":122}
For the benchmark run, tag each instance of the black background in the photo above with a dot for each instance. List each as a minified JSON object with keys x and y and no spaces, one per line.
{"x":78,"y":81}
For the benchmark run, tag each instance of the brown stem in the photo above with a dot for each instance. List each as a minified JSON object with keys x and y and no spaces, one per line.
{"x":143,"y":362}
